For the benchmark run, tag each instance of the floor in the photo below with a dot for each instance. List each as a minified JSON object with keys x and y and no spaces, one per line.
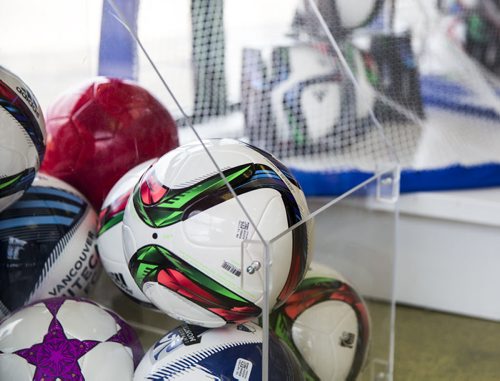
{"x":434,"y":346}
{"x":429,"y":345}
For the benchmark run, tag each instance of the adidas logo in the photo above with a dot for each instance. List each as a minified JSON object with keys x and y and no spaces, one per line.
{"x":29,"y":99}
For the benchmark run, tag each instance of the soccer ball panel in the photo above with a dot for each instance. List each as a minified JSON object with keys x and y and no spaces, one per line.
{"x":313,"y":103}
{"x":6,"y":201}
{"x":319,"y":332}
{"x":273,"y":221}
{"x":110,"y":242}
{"x":107,"y":361}
{"x":354,"y":15}
{"x":24,"y":328}
{"x":126,"y":182}
{"x":180,"y":307}
{"x":120,"y":275}
{"x":16,"y":148}
{"x":306,"y":61}
{"x":221,"y":225}
{"x":190,"y":163}
{"x":365,"y":91}
{"x":13,"y":367}
{"x":99,"y":325}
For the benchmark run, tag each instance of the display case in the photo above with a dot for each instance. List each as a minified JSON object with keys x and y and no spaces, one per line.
{"x":277,"y":76}
{"x":354,"y":234}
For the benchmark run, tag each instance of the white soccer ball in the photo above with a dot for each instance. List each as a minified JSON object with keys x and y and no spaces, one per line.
{"x":109,"y":241}
{"x":47,"y":245}
{"x":183,"y":233}
{"x":341,"y":16}
{"x":353,"y":15}
{"x":67,"y":339}
{"x":327,"y":325}
{"x":233,"y":352}
{"x":300,"y":99}
{"x":22,"y":137}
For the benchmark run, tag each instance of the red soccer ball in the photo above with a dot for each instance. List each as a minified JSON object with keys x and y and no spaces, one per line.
{"x":100,"y":130}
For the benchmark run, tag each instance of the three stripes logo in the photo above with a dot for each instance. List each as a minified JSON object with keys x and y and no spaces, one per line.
{"x":41,"y":207}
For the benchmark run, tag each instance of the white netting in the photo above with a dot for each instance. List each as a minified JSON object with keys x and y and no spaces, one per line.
{"x":267,"y":72}
{"x":457,"y":51}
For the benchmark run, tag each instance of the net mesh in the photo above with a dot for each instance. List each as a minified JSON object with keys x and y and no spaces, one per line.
{"x":324,"y":85}
{"x":271,"y":73}
{"x":458,"y":81}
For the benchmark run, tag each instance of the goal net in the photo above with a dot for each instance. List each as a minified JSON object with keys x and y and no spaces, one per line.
{"x":334,"y":90}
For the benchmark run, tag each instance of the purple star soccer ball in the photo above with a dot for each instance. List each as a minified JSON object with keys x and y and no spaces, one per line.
{"x":67,"y":339}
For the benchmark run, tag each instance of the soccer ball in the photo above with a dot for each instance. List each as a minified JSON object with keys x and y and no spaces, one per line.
{"x":99,"y":131}
{"x":22,"y":137}
{"x":109,"y":233}
{"x":183,"y":233}
{"x":298,"y":99}
{"x":326,"y":324}
{"x":47,"y":245}
{"x":341,"y":16}
{"x":233,"y":352}
{"x":67,"y":339}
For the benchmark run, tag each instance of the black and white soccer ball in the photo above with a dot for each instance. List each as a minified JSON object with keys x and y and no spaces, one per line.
{"x":22,"y":137}
{"x":233,"y":352}
{"x":183,"y":232}
{"x":298,"y":99}
{"x":47,"y":245}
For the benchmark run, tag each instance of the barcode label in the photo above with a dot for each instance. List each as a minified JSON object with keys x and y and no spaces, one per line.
{"x":231,"y":268}
{"x":242,"y":369}
{"x":243,"y":230}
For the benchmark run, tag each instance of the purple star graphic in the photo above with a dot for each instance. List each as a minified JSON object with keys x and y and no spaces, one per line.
{"x":126,"y":336}
{"x":56,"y":357}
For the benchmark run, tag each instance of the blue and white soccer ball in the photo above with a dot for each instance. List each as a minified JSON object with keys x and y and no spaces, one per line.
{"x":47,"y":245}
{"x":233,"y":352}
{"x":22,"y":137}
